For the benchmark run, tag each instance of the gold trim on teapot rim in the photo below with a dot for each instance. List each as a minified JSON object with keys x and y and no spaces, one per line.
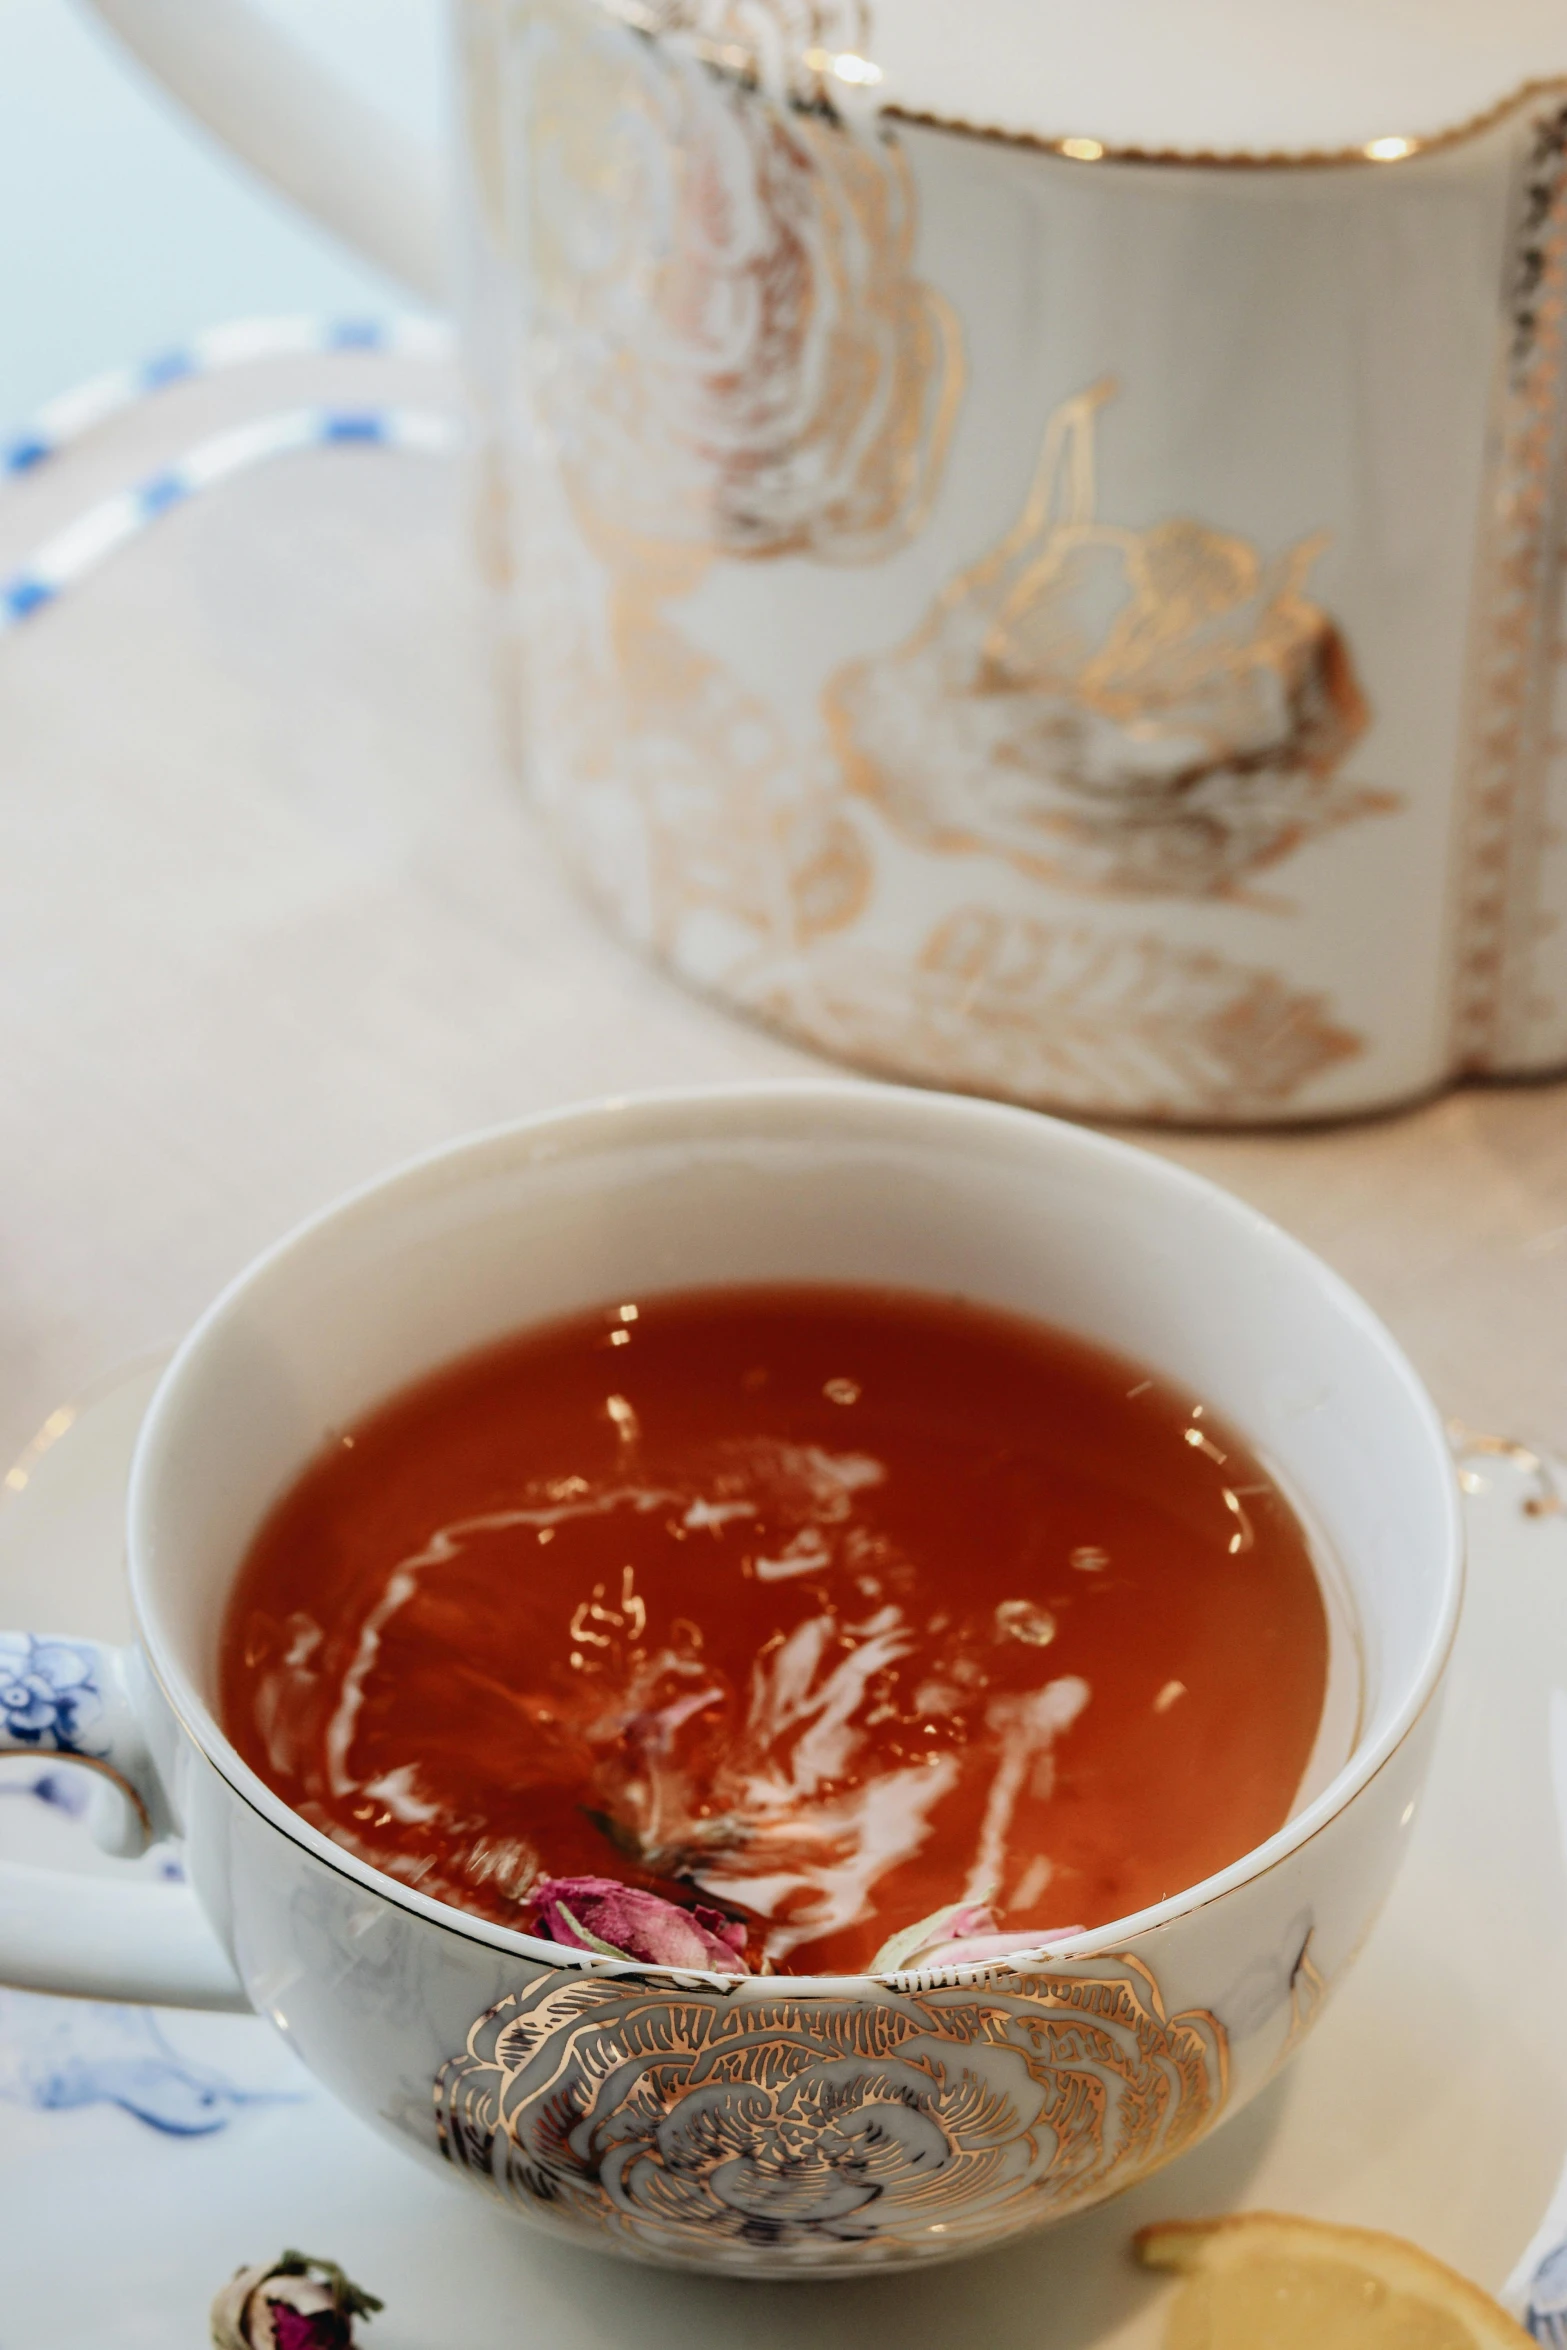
{"x":833,"y":75}
{"x":1393,"y":147}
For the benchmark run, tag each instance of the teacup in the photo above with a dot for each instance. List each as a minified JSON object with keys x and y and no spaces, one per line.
{"x":784,"y":2125}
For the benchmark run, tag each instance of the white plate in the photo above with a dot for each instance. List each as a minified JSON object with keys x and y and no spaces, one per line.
{"x":143,"y":2157}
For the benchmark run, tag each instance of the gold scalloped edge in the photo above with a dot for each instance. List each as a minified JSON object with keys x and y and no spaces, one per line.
{"x":820,"y":80}
{"x":823,"y":69}
{"x":1394,"y":147}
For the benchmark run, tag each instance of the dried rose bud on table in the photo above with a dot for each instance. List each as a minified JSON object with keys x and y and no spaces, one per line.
{"x":292,"y":2303}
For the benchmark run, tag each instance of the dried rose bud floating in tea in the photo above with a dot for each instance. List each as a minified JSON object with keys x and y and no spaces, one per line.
{"x":822,"y":1607}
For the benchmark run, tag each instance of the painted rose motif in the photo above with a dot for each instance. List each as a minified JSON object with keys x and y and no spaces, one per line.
{"x":48,"y":1692}
{"x":807,"y":2124}
{"x":1138,"y":712}
{"x":728,"y":348}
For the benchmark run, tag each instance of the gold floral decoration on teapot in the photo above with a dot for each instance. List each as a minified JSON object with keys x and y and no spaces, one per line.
{"x":1140,"y":712}
{"x":1060,"y":1014}
{"x":728,"y":347}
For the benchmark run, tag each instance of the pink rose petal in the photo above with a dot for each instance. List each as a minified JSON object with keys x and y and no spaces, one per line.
{"x":313,"y":2329}
{"x":976,"y":1917}
{"x":968,"y":1947}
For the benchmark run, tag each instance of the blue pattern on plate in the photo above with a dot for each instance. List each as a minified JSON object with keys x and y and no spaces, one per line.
{"x":68,"y":1791}
{"x":48,"y":1692}
{"x":1546,"y":2316}
{"x":56,"y":2054}
{"x":62,"y":1790}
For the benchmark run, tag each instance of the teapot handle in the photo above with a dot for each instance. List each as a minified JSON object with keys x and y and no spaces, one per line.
{"x":87,"y":1935}
{"x":371,"y":184}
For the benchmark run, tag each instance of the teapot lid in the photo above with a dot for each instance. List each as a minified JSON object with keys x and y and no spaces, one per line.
{"x":1243,"y":80}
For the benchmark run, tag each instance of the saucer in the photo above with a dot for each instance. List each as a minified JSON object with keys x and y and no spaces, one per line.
{"x":146,"y":2154}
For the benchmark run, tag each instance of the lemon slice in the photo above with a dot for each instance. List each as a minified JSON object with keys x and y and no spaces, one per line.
{"x":1258,"y":2281}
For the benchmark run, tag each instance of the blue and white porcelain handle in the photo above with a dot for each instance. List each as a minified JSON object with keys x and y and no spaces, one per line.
{"x":88,"y":1935}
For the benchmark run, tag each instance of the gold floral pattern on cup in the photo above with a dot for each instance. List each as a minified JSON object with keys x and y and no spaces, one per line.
{"x":682,"y":2117}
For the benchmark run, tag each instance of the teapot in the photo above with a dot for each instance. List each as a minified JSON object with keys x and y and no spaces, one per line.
{"x":1028,"y":542}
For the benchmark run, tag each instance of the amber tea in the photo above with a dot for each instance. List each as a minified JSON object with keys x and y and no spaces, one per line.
{"x":816,"y":1611}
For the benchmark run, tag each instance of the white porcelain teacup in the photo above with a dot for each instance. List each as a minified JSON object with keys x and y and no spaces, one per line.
{"x":769,"y":2125}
